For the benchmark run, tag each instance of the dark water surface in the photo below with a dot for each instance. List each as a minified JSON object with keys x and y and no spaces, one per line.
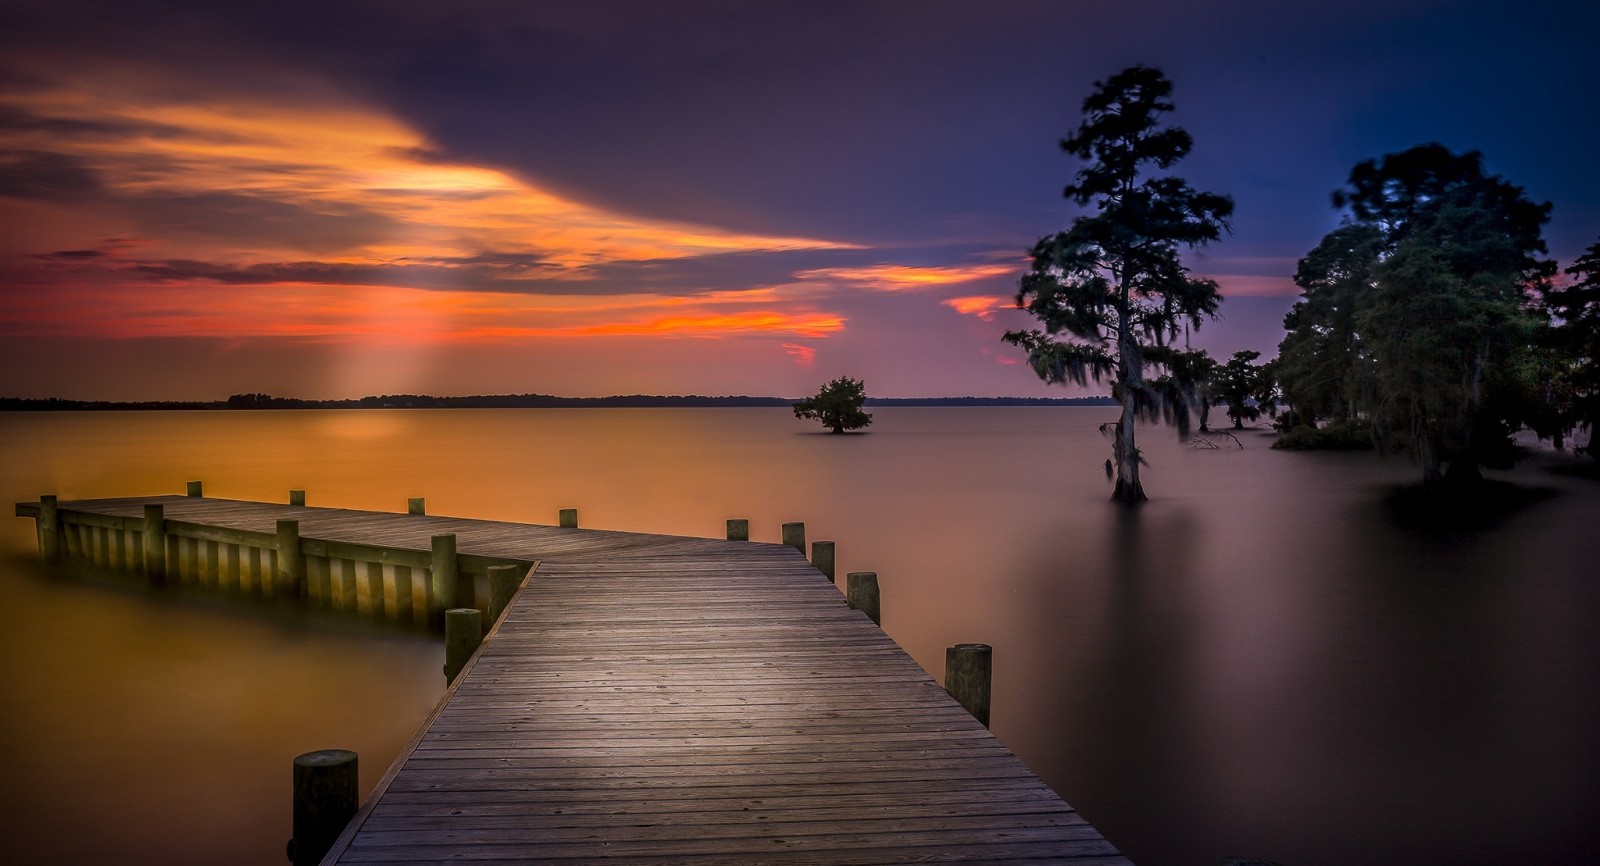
{"x":1260,"y":661}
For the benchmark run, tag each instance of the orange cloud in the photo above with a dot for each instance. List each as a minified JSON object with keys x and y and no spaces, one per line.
{"x":896,"y":278}
{"x":334,"y":160}
{"x":328,"y":220}
{"x":803,"y":356}
{"x":389,"y":314}
{"x":982,"y":306}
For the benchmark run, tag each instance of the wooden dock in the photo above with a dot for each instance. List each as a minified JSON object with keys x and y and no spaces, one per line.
{"x":660,"y":699}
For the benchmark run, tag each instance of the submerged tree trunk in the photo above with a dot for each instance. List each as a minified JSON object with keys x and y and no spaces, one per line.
{"x":1428,"y":457}
{"x":1129,"y":490}
{"x":1130,"y":377}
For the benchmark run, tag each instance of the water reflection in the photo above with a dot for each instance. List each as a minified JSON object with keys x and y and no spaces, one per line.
{"x":1259,"y":661}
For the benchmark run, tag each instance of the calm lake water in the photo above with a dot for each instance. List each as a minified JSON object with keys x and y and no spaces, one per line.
{"x":1258,"y":662}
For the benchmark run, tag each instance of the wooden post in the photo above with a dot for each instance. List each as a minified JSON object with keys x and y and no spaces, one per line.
{"x":297,"y":497}
{"x":503,"y":583}
{"x":291,"y":577}
{"x":417,"y":505}
{"x":463,"y":631}
{"x":49,"y":529}
{"x":822,"y":558}
{"x":194,"y":489}
{"x":445,"y":571}
{"x":738,"y":530}
{"x":567,"y":518}
{"x":327,"y":785}
{"x":155,"y":545}
{"x":794,"y":535}
{"x":967,"y":668}
{"x":861,"y":592}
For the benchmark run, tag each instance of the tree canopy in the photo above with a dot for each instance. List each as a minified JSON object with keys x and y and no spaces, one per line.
{"x":837,"y":405}
{"x":1570,"y":374}
{"x":1111,"y":292}
{"x":1244,"y":386}
{"x":1417,"y":311}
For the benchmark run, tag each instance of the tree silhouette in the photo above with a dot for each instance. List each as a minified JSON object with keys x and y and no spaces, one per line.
{"x":1245,"y":387}
{"x":1111,"y":292}
{"x":1576,"y":339}
{"x":837,"y":405}
{"x":1321,"y":367}
{"x":1446,"y":318}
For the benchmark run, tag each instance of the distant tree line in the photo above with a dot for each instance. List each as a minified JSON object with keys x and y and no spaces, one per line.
{"x":507,"y":401}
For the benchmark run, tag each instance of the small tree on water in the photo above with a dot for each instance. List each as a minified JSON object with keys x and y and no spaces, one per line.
{"x":1111,"y":291}
{"x":837,"y":405}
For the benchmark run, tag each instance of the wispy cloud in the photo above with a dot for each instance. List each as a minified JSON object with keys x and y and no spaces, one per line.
{"x":982,"y":306}
{"x":238,"y":218}
{"x":899,"y":278}
{"x":804,"y":356}
{"x":1251,"y":286}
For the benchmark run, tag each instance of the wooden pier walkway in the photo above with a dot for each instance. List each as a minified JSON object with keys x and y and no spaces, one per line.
{"x":659,"y":699}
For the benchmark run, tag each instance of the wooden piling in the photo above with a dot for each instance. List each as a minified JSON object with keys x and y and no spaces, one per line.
{"x":155,"y":545}
{"x":417,"y":505}
{"x":503,"y":583}
{"x":49,"y":527}
{"x":327,"y":787}
{"x":297,"y":497}
{"x":794,"y":535}
{"x":567,"y":518}
{"x":967,"y":670}
{"x":738,"y":529}
{"x":195,"y":489}
{"x":445,"y":571}
{"x":291,"y":577}
{"x":822,"y":558}
{"x":861,"y":592}
{"x":463,"y":631}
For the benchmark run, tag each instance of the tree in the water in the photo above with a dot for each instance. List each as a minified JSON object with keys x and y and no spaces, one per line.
{"x":837,"y":405}
{"x":1245,"y":387}
{"x":1111,"y":292}
{"x":1447,"y":319}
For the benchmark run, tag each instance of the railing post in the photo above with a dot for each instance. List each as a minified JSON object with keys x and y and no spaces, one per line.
{"x":861,"y":593}
{"x":794,"y":535}
{"x":327,"y":784}
{"x":738,"y":529}
{"x":155,"y":544}
{"x":445,"y":571}
{"x":503,"y":583}
{"x":463,"y":632}
{"x":195,"y":489}
{"x":822,"y":558}
{"x":417,"y":505}
{"x":297,"y":497}
{"x":49,"y":529}
{"x":967,"y":670}
{"x":567,"y":518}
{"x":291,"y":577}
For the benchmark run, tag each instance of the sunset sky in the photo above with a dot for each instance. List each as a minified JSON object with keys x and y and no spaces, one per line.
{"x":334,"y":199}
